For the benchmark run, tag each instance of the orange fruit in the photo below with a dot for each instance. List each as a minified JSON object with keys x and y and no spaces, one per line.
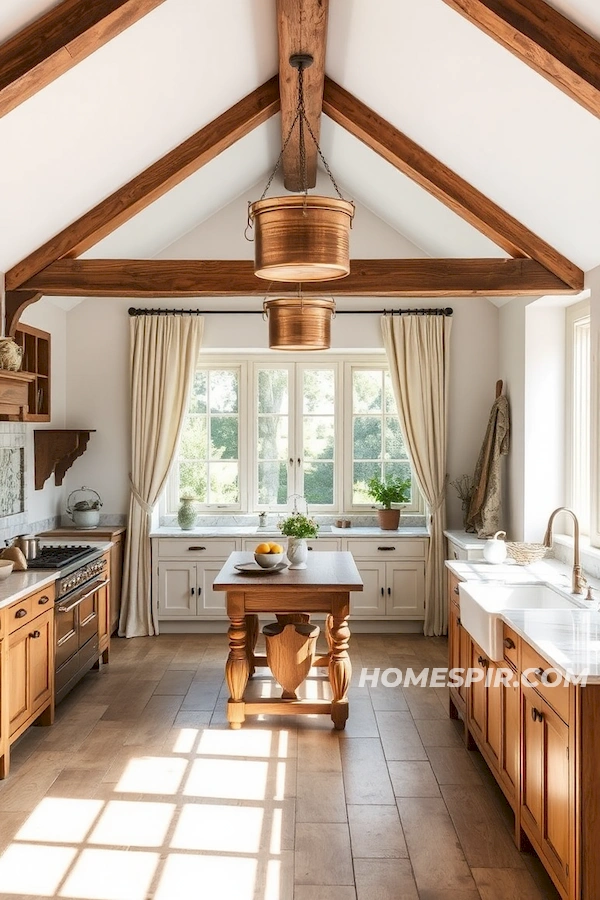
{"x":275,"y":548}
{"x":263,"y":548}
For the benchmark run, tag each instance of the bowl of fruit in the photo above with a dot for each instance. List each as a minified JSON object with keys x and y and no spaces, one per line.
{"x":268,"y":555}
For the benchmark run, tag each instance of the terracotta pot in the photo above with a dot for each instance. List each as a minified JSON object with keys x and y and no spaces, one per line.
{"x":388,"y":519}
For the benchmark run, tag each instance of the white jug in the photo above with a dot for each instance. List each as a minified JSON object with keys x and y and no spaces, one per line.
{"x":494,"y":550}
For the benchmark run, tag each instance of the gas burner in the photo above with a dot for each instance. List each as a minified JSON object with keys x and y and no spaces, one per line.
{"x":55,"y":557}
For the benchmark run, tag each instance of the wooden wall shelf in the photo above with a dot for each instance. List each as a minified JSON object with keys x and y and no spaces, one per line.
{"x":36,"y":360}
{"x":56,"y":451}
{"x":14,"y":392}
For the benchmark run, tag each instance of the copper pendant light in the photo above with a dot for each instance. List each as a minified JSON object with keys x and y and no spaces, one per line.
{"x":301,"y":237}
{"x":299,"y":323}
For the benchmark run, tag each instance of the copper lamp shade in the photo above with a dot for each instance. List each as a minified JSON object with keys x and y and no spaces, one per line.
{"x":301,"y":238}
{"x":299,"y":323}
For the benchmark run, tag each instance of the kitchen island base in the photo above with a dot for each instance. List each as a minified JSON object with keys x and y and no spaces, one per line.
{"x":324,"y":587}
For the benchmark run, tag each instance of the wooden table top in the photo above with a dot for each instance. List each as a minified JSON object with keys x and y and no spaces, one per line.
{"x":325,"y":571}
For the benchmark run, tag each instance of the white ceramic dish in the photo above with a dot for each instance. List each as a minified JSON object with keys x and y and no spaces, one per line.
{"x":253,"y":568}
{"x":268,"y":560}
{"x":6,"y":567}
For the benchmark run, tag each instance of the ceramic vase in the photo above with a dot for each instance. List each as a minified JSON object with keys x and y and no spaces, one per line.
{"x":186,"y":515}
{"x":297,"y":552}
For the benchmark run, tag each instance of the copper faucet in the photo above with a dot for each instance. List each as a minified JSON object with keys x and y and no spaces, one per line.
{"x":578,"y":580}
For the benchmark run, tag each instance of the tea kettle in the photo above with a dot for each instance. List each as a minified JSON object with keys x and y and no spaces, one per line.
{"x":494,"y":550}
{"x":84,"y":513}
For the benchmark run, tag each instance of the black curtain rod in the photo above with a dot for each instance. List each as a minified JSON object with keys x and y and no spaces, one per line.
{"x":447,"y":311}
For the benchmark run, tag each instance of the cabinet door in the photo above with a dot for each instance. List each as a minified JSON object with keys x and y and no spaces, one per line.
{"x":41,"y":660}
{"x":18,"y":669}
{"x":371,"y":600}
{"x":116,"y":579}
{"x":493,"y":715}
{"x":464,"y":658}
{"x":476,"y":695}
{"x":210,"y":603}
{"x":532,"y":737}
{"x":405,"y":589}
{"x":176,"y":590}
{"x":557,"y":811}
{"x":453,"y":636}
{"x":104,"y":617}
{"x":509,"y":756}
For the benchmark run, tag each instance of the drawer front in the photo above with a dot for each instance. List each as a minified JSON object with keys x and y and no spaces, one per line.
{"x":553,"y":687}
{"x":388,"y":548}
{"x":456,"y":552}
{"x":511,"y":646}
{"x":453,"y":595}
{"x":19,"y":614}
{"x":326,"y":544}
{"x":196,"y":547}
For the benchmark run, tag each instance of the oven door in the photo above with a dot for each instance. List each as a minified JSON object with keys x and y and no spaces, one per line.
{"x":76,"y":620}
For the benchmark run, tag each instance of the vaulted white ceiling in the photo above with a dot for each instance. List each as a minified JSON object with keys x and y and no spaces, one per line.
{"x":422,"y":66}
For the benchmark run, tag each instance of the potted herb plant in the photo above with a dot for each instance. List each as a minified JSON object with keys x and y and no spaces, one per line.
{"x":297,"y":528}
{"x":391,"y":489}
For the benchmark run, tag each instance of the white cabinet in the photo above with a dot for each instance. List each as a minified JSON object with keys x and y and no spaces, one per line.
{"x":393,"y":573}
{"x":465,"y":547}
{"x":184,"y":570}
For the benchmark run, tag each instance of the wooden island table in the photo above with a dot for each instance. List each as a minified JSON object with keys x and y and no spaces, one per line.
{"x":323,"y":587}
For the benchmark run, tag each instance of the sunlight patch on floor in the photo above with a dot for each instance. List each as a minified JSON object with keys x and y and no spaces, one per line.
{"x":225,"y":829}
{"x":35,"y":870}
{"x":133,"y":823}
{"x":240,"y":779}
{"x":152,"y":775}
{"x":186,"y":740}
{"x":60,"y":820}
{"x":111,"y":875}
{"x":243,"y":742}
{"x":191,"y":877}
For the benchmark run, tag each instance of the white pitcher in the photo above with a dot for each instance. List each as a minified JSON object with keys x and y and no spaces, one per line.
{"x":494,"y":550}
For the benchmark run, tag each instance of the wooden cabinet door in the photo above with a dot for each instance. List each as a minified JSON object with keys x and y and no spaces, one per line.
{"x":104,"y":617}
{"x":176,"y":590}
{"x":557,"y":809}
{"x":532,"y":738}
{"x":476,"y":698}
{"x":405,"y":589}
{"x":371,"y":600}
{"x":18,"y":680}
{"x":453,"y":636}
{"x":41,"y":660}
{"x":116,"y":580}
{"x":493,"y":714}
{"x":464,"y":658}
{"x":509,"y":756}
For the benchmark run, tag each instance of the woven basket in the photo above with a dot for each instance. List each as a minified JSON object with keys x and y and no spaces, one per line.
{"x":523,"y":554}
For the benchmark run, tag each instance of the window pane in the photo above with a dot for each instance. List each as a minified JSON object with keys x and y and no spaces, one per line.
{"x":198,"y":398}
{"x":273,"y":437}
{"x":390,"y":402}
{"x":224,"y":437}
{"x":367,"y":437}
{"x":273,"y":391}
{"x":402,"y":469}
{"x":319,"y":391}
{"x":366,"y":391}
{"x":318,"y":482}
{"x":192,"y":479}
{"x":223,"y":479}
{"x":273,"y":483}
{"x":319,"y":437}
{"x":394,"y":442}
{"x":362,"y":473}
{"x":223,"y":391}
{"x":193,"y":438}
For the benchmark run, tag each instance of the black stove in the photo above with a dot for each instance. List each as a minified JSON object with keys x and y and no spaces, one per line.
{"x":58,"y":557}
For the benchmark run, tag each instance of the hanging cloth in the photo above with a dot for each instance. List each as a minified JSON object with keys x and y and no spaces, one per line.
{"x":484,"y":509}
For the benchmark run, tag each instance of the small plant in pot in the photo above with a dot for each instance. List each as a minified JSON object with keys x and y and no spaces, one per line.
{"x":391,"y":489}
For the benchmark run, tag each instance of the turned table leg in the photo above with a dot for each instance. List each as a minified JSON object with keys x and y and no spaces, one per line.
{"x":340,"y":669}
{"x":237,"y":670}
{"x":251,"y":639}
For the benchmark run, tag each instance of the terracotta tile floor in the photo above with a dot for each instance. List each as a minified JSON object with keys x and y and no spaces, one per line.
{"x":140,"y":790}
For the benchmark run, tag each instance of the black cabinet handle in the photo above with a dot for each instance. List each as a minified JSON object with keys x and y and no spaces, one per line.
{"x":483,"y":662}
{"x":536,"y":715}
{"x":299,"y":461}
{"x":382,"y":592}
{"x":458,"y":620}
{"x":43,"y":600}
{"x":389,"y":592}
{"x":196,"y":548}
{"x":20,"y":613}
{"x":193,"y":591}
{"x":311,"y":548}
{"x":509,"y":643}
{"x":539,"y":673}
{"x":456,"y":589}
{"x":386,"y":548}
{"x":34,"y":634}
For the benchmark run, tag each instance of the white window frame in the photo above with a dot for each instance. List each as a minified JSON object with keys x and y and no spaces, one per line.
{"x":248,"y":424}
{"x":170,"y":500}
{"x":417,"y":506}
{"x":578,"y":440}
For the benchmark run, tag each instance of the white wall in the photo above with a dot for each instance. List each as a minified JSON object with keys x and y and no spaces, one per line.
{"x":592,"y":281}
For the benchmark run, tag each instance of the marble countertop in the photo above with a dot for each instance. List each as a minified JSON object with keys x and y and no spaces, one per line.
{"x":273,"y":531}
{"x":568,"y":638}
{"x":464,"y":540}
{"x":20,"y":584}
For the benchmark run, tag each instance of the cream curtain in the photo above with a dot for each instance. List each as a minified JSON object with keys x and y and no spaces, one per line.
{"x":164,"y":353}
{"x":417,"y":348}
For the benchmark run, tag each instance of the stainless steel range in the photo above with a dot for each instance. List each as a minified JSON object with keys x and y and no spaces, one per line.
{"x":82,"y":574}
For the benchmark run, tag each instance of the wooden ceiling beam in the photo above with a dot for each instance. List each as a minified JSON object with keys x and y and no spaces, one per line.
{"x":546,"y":40}
{"x":58,"y":40}
{"x":236,"y":278}
{"x":301,"y":28}
{"x":152,"y":183}
{"x":444,"y":184}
